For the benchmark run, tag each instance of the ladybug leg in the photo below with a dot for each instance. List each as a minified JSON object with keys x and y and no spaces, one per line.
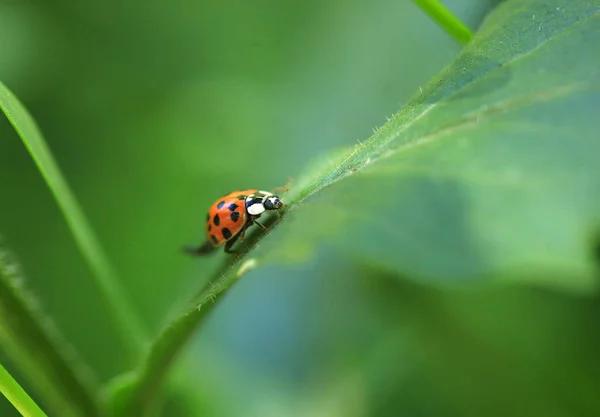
{"x":204,"y":249}
{"x":262,"y":227}
{"x":253,"y":220}
{"x":230,"y":243}
{"x":242,"y":233}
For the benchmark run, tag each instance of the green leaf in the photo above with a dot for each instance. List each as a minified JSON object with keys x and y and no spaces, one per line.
{"x":33,"y":343}
{"x":490,"y":173}
{"x":125,"y":317}
{"x":17,"y":395}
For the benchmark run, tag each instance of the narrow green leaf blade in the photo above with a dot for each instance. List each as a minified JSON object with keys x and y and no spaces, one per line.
{"x":17,"y":395}
{"x":33,"y":343}
{"x":450,"y":23}
{"x":126,"y":319}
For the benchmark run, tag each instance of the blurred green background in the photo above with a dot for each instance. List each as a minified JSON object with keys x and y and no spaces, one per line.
{"x":154,"y":109}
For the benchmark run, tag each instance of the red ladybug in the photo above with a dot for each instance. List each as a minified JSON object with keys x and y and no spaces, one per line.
{"x":230,"y":216}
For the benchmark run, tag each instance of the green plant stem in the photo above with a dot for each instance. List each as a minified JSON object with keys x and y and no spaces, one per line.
{"x":444,"y":17}
{"x":126,"y":319}
{"x":17,"y":395}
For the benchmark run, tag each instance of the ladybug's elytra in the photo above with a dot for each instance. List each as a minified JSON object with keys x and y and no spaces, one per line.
{"x":230,"y":216}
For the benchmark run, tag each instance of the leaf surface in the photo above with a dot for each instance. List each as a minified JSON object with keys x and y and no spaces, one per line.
{"x":491,"y":173}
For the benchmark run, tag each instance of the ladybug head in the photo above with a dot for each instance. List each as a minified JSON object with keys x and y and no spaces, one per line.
{"x":257,"y":203}
{"x":273,"y":203}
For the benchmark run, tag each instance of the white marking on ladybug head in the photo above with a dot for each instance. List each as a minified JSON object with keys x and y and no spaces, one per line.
{"x":255,"y":209}
{"x":255,"y":204}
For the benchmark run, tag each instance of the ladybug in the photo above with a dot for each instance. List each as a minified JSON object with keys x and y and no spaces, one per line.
{"x":230,"y":216}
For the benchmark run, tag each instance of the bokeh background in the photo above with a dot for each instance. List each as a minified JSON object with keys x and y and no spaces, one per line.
{"x":154,"y":109}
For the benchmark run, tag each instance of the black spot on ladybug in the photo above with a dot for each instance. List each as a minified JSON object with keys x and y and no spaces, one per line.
{"x":226,"y":233}
{"x":216,"y":220}
{"x":209,"y":227}
{"x":232,"y":207}
{"x":235,"y":216}
{"x":214,"y":239}
{"x":220,"y":205}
